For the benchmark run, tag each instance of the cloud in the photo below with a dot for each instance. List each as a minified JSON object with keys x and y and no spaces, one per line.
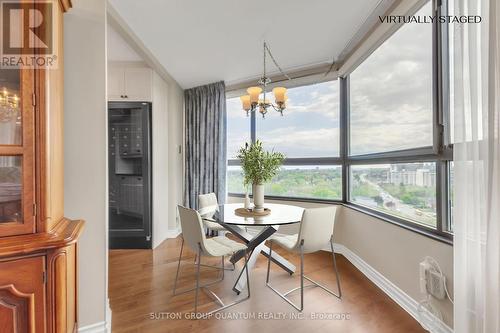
{"x":390,"y":104}
{"x":296,"y":142}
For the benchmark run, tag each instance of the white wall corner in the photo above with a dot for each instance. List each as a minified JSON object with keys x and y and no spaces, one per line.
{"x":173,"y":233}
{"x":95,"y":328}
{"x":109,"y":316}
{"x":101,"y":327}
{"x":399,"y":296}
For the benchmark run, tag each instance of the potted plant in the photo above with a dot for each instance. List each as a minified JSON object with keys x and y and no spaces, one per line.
{"x":259,"y":167}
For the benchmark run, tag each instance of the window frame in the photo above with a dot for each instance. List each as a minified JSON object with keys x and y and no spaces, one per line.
{"x":441,"y":151}
{"x":298,"y":161}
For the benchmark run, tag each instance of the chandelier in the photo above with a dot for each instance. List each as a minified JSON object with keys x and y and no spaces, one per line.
{"x":9,"y":106}
{"x":252,"y":101}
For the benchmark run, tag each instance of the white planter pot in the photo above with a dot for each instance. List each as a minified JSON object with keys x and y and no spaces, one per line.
{"x":258,"y":197}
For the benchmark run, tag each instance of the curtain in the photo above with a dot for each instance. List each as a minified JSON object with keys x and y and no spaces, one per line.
{"x":476,"y":212}
{"x":205,"y":138}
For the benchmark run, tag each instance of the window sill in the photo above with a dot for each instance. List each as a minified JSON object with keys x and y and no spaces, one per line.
{"x":443,"y":237}
{"x":411,"y":226}
{"x":296,"y":199}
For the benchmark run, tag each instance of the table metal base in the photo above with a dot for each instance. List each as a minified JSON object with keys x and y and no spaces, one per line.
{"x":256,"y":244}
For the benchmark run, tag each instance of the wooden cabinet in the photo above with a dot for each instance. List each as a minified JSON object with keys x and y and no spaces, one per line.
{"x":22,"y":300}
{"x":38,"y":245}
{"x":129,"y":83}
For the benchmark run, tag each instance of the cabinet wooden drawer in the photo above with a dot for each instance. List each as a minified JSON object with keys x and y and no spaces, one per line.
{"x":22,"y":295}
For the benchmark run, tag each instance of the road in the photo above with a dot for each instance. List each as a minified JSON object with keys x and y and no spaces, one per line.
{"x":400,"y":207}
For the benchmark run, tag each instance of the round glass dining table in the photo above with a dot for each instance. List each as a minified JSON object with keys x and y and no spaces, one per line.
{"x":255,"y":241}
{"x":279,"y":215}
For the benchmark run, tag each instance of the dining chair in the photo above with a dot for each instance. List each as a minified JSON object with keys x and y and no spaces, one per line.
{"x":316,"y":231}
{"x":208,"y":205}
{"x":193,"y":235}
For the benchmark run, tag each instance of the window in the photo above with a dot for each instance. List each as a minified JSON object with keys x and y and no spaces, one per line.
{"x":376,"y":132}
{"x":391,"y":93}
{"x":310,"y":125}
{"x":407,"y":190}
{"x":234,"y":180}
{"x":309,"y":136}
{"x":238,"y":127}
{"x":451,"y":198}
{"x":398,"y":167}
{"x":307,"y":181}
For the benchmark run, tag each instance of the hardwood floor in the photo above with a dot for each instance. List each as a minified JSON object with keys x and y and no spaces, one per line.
{"x":141,"y":281}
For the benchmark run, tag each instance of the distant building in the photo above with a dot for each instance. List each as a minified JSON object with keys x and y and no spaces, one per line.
{"x":405,"y":177}
{"x":412,"y":174}
{"x":425,"y":177}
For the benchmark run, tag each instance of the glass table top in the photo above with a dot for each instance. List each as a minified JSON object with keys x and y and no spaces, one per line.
{"x":280,"y":215}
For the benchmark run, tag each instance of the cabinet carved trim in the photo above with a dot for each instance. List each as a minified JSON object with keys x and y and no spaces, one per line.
{"x":65,"y":233}
{"x":20,"y":306}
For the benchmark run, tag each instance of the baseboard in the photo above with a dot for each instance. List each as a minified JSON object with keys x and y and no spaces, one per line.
{"x":394,"y":292}
{"x":173,"y":233}
{"x":101,"y":327}
{"x":95,"y":328}
{"x":109,"y":316}
{"x":399,"y":296}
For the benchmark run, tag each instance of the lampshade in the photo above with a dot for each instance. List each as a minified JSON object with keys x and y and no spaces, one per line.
{"x":254,"y":93}
{"x":279,"y":94}
{"x":245,"y":101}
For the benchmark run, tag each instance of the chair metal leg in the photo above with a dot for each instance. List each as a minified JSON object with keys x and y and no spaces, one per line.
{"x":245,"y":268}
{"x":179,"y":266}
{"x":212,"y":266}
{"x":197,"y":281}
{"x":302,"y":277}
{"x":196,"y":263}
{"x":269,"y":260}
{"x":248,"y":277}
{"x":222,"y":267}
{"x":210,"y":293}
{"x":336,"y":269}
{"x":283,"y":296}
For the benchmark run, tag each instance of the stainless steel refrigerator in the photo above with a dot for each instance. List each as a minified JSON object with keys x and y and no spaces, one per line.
{"x":130,"y":204}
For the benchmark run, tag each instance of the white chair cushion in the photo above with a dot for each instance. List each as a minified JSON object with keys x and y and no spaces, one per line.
{"x":213,"y":225}
{"x":287,"y":242}
{"x":222,"y":246}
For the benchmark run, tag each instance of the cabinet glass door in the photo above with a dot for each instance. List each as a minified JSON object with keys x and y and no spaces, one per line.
{"x":10,"y":107}
{"x":16,"y":152}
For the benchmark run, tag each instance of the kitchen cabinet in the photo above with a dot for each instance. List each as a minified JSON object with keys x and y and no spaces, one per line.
{"x":129,"y":83}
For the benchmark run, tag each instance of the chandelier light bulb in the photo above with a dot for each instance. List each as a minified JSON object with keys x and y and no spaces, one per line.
{"x":279,"y":94}
{"x":252,"y":102}
{"x":254,"y":93}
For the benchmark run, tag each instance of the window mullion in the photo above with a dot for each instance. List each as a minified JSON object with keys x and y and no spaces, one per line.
{"x":344,"y":134}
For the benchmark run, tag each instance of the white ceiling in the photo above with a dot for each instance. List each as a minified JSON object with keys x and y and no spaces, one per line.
{"x":118,"y":48}
{"x":200,"y":42}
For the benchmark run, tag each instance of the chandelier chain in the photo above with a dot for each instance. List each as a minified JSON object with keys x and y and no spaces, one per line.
{"x":274,"y":60}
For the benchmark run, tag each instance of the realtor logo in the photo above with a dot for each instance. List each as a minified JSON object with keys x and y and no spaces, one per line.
{"x":27,"y":34}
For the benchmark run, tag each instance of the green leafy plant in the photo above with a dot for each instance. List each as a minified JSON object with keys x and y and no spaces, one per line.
{"x":259,"y":166}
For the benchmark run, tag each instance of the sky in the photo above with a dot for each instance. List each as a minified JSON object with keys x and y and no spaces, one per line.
{"x":391,"y":105}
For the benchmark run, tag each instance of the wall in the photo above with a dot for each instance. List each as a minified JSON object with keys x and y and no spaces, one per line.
{"x":175,"y":102}
{"x":160,"y":160}
{"x":396,"y":252}
{"x":393,"y":251}
{"x":175,"y":152}
{"x":85,"y":139}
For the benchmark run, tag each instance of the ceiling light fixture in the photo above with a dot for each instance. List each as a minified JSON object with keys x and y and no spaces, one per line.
{"x":252,"y":101}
